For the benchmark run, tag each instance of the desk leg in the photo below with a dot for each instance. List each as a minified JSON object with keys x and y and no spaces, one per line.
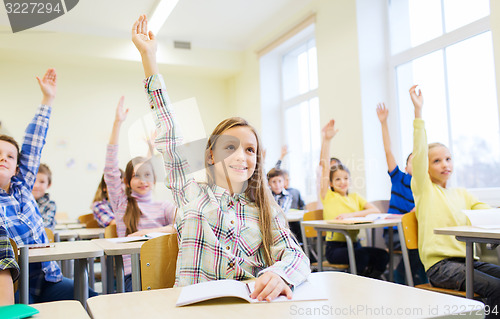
{"x":120,"y":277}
{"x":469,"y":270}
{"x":110,"y":275}
{"x":90,"y":262}
{"x":136,"y":272}
{"x":24,"y":275}
{"x":406,"y":258}
{"x":391,"y":254}
{"x":350,"y":250}
{"x":319,"y":249}
{"x":81,"y":290}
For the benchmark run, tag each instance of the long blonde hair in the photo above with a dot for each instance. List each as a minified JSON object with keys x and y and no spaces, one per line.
{"x":256,"y":190}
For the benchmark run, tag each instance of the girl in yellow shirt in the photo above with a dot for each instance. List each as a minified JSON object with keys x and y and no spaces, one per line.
{"x":339,"y":203}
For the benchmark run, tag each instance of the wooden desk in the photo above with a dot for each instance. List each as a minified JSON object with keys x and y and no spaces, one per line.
{"x":77,"y":250}
{"x":116,"y":251}
{"x":89,"y":233}
{"x":60,"y":310}
{"x":69,"y":226}
{"x":470,"y":235}
{"x":349,"y":296}
{"x":321,"y":225}
{"x":295,"y":215}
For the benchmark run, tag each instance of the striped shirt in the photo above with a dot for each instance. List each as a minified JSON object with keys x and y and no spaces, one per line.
{"x":154,"y":214}
{"x":47,"y":209}
{"x":401,"y":201}
{"x":219,"y":234}
{"x":7,"y":258}
{"x":19,"y":210}
{"x":103,"y":212}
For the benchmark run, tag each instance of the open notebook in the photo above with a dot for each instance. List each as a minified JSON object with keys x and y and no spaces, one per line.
{"x":239,"y":289}
{"x":484,"y":218}
{"x":136,"y":238}
{"x":370,"y":218}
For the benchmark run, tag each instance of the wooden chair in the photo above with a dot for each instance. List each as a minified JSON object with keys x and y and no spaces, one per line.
{"x":310,"y":232}
{"x":110,"y":231}
{"x":88,"y":220}
{"x":158,"y":262}
{"x":410,"y":230}
{"x":16,"y":256}
{"x":50,"y":234}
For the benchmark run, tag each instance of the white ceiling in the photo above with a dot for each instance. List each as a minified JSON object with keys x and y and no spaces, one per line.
{"x":218,"y":24}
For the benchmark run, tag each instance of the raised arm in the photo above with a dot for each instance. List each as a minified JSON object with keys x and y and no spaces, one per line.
{"x":112,"y":175}
{"x":327,"y":133}
{"x":420,"y":148}
{"x":284,"y":152}
{"x":383,"y":113}
{"x":168,"y":140}
{"x":36,"y":132}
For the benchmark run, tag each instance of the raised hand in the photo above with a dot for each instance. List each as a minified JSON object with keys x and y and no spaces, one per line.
{"x":120,"y":114}
{"x":382,"y":112}
{"x":143,"y":40}
{"x":48,"y":85}
{"x":284,"y":151}
{"x":418,"y":101}
{"x":329,"y":130}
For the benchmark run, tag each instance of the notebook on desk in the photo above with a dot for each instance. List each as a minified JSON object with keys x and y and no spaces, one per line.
{"x":348,"y":221}
{"x":484,"y":218}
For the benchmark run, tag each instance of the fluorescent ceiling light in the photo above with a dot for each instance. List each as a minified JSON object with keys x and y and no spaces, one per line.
{"x":160,"y":14}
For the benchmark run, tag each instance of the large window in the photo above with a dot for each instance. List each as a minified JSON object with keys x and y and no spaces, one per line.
{"x":300,"y":107}
{"x":445,"y":47}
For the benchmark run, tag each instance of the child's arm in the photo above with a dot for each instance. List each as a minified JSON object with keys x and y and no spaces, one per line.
{"x":284,"y":152}
{"x":327,"y":133}
{"x":48,"y":212}
{"x":9,"y":270}
{"x":34,"y":139}
{"x":369,"y":208}
{"x":6,"y":288}
{"x":103,"y":213}
{"x":116,"y":193}
{"x":420,"y":148}
{"x":383,"y":113}
{"x":168,"y":139}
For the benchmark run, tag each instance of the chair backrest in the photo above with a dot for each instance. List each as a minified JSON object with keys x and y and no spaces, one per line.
{"x":16,"y":255}
{"x":311,"y":206}
{"x":110,"y":231}
{"x":410,"y":230}
{"x":50,"y":234}
{"x":312,"y":215}
{"x":89,"y":220}
{"x":158,"y":262}
{"x":382,"y":205}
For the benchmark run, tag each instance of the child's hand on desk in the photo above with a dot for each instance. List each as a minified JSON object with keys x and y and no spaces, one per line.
{"x":269,"y":286}
{"x":345,"y":216}
{"x":139,"y":233}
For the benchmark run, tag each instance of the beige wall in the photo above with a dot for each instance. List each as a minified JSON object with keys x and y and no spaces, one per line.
{"x":83,"y":113}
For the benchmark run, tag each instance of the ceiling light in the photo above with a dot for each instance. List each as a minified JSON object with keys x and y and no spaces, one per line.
{"x":160,"y":14}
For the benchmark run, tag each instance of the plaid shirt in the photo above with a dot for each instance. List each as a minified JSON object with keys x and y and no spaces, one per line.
{"x":19,"y":210}
{"x":7,"y":258}
{"x":219,"y":234}
{"x":103,"y":213}
{"x":47,"y":209}
{"x":284,"y":200}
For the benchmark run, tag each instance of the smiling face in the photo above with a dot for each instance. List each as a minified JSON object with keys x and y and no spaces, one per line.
{"x":141,"y":180}
{"x":8,"y":163}
{"x":41,"y":185}
{"x":440,"y":165}
{"x":234,"y":157}
{"x":340,"y":182}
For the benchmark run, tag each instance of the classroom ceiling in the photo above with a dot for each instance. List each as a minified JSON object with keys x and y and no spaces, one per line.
{"x":215,"y":24}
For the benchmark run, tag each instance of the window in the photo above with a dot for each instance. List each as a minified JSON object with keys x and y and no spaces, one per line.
{"x":290,"y":108}
{"x":446,"y":48}
{"x":300,"y":107}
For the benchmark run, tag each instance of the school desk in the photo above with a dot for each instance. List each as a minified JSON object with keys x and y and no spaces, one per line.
{"x":73,"y":225}
{"x":77,"y":250}
{"x":470,"y":235}
{"x":348,"y":296}
{"x":322,"y":225}
{"x":60,"y":310}
{"x":115,"y":251}
{"x":295,"y":215}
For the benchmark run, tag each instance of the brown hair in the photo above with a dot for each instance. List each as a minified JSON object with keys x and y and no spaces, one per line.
{"x":275,"y":172}
{"x":256,"y":190}
{"x":437,"y":144}
{"x":44,"y":169}
{"x":12,"y":141}
{"x":334,"y":169}
{"x":102,"y":190}
{"x":133,"y":212}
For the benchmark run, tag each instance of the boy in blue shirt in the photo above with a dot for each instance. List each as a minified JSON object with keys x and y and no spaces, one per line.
{"x":18,"y":209}
{"x":401,"y":201}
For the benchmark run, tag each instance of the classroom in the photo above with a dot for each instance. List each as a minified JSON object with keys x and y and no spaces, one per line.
{"x":285,"y":66}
